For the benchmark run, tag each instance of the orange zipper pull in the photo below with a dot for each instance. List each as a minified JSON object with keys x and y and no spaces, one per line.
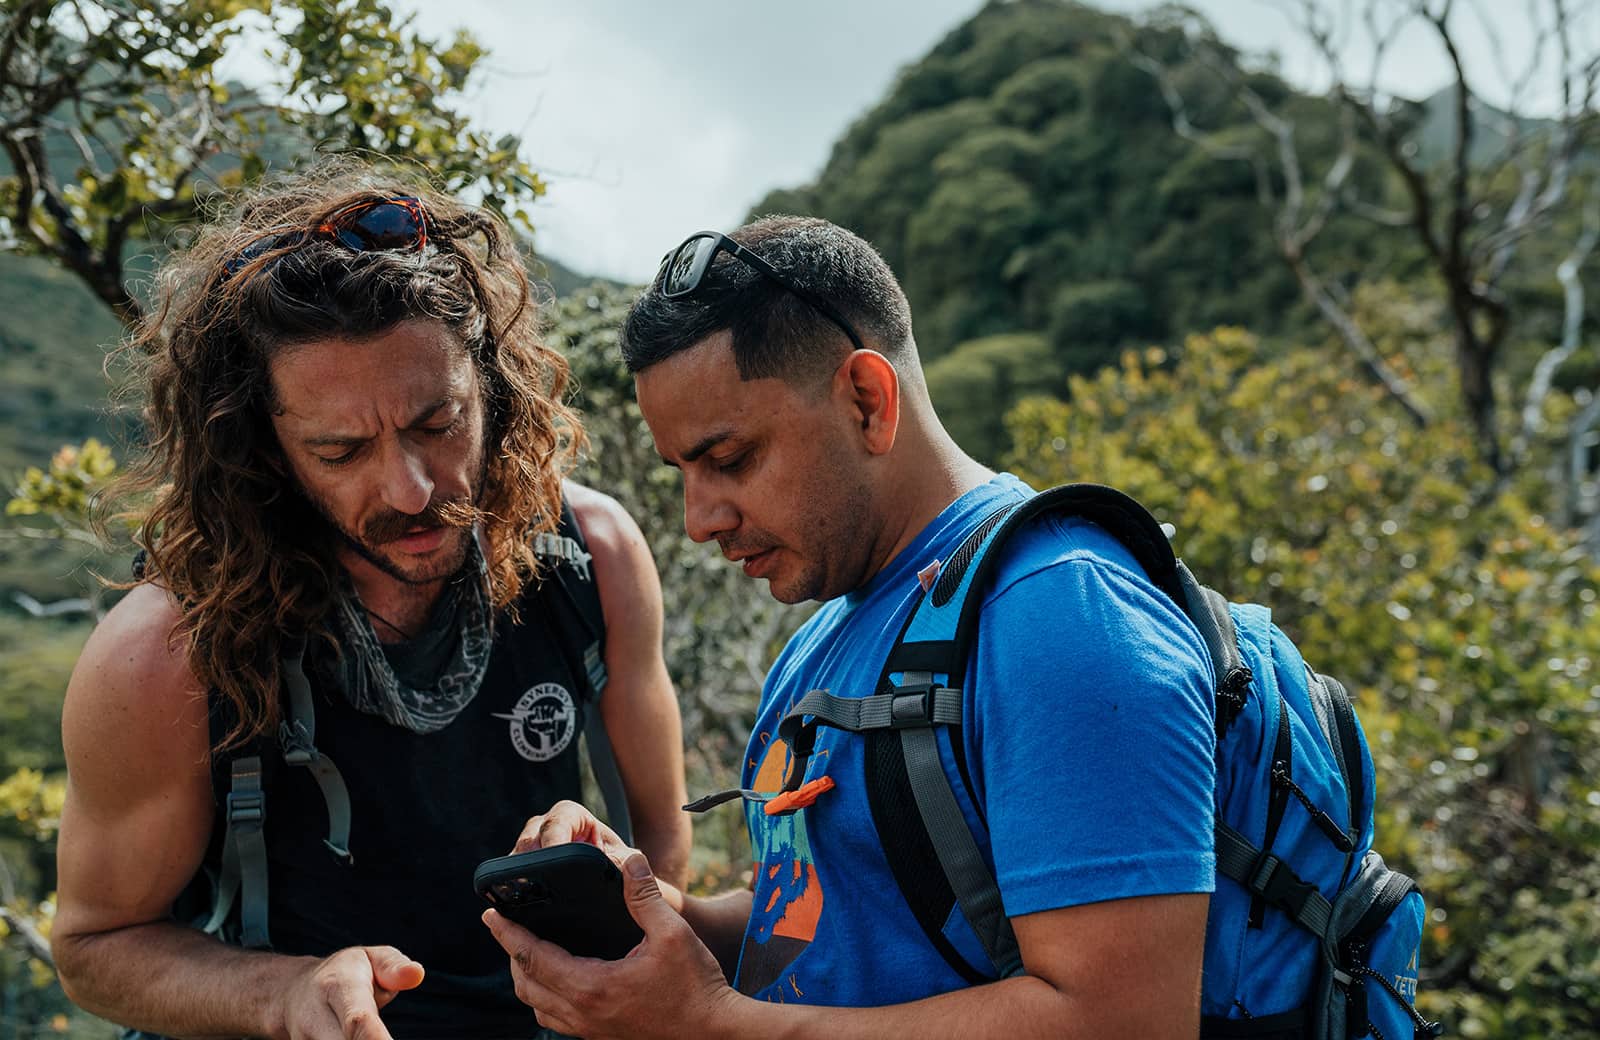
{"x":790,"y":801}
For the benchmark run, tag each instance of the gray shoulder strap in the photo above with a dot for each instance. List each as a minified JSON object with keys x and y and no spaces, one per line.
{"x":297,"y":737}
{"x":970,"y":878}
{"x":244,"y":857}
{"x":913,"y":709}
{"x":564,"y":551}
{"x":1268,"y":878}
{"x":1209,"y":612}
{"x":602,"y":759}
{"x":243,"y":874}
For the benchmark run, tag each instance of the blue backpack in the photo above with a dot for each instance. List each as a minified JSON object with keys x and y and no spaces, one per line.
{"x":1310,"y":935}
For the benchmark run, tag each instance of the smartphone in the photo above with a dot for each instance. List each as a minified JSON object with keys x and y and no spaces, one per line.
{"x":570,"y":895}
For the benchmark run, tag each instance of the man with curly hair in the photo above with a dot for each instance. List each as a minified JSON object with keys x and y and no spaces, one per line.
{"x":355,"y":659}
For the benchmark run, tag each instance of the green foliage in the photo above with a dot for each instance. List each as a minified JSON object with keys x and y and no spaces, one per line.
{"x":974,"y":386}
{"x":1467,"y":625}
{"x":118,"y":125}
{"x":52,"y":387}
{"x":1090,"y":320}
{"x":1037,"y":93}
{"x":1024,"y":177}
{"x":64,"y":492}
{"x":35,"y":659}
{"x":722,"y":630}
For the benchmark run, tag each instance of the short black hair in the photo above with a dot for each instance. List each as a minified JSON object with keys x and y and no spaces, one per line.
{"x":775,"y":332}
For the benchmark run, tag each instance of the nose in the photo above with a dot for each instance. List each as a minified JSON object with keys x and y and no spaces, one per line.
{"x":706,"y":513}
{"x":407,"y":487}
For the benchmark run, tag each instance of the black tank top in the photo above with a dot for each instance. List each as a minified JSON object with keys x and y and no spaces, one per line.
{"x":425,"y":811}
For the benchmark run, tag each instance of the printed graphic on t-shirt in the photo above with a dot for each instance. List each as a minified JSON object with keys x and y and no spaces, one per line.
{"x":543,"y":722}
{"x":788,"y":896}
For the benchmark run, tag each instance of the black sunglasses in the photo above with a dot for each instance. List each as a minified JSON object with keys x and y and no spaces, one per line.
{"x":372,"y":225}
{"x":684,"y":269}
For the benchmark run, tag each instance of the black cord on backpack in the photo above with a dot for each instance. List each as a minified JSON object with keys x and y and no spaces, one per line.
{"x":1342,"y":841}
{"x":1424,"y":1028}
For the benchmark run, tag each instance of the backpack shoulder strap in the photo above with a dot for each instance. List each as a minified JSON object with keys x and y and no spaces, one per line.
{"x":580,"y":622}
{"x":930,"y":659}
{"x":944,"y":622}
{"x":242,"y":876}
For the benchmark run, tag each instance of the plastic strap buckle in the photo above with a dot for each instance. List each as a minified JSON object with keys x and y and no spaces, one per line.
{"x":296,"y":743}
{"x":246,"y":808}
{"x":1273,"y":881}
{"x":911,"y":706}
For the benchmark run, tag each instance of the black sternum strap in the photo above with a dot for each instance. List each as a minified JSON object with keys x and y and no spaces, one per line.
{"x":916,"y":705}
{"x":909,"y":711}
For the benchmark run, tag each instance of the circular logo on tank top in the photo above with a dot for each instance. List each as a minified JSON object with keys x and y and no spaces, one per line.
{"x":543,"y":722}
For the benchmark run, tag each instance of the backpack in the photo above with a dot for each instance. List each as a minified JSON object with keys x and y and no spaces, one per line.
{"x":1310,"y":935}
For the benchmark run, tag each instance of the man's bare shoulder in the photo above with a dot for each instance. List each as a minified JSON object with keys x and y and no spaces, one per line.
{"x":625,"y":572}
{"x":612,"y":535}
{"x":601,"y":516}
{"x":133,"y":670}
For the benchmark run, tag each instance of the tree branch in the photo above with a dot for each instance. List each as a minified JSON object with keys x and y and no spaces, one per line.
{"x":1571,"y":327}
{"x":35,"y":942}
{"x":37,"y":945}
{"x":1293,"y":230}
{"x":1580,"y":443}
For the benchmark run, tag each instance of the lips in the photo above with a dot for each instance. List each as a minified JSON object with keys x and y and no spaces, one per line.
{"x":420,"y":541}
{"x":758,"y":564}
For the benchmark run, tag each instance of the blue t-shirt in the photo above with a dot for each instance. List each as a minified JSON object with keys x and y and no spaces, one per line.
{"x":1088,"y":730}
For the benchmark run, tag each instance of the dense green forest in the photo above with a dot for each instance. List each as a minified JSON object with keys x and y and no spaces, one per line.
{"x":1104,"y":290}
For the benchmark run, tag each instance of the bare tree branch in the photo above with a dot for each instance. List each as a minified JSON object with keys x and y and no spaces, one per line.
{"x":1571,"y":327}
{"x":1294,"y":229}
{"x":1583,"y":495}
{"x":35,"y":942}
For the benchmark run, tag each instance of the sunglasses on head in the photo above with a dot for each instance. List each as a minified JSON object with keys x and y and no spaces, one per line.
{"x":684,"y":270}
{"x":368,"y":226}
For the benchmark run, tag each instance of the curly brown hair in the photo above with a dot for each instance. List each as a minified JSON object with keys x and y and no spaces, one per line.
{"x":221,"y":515}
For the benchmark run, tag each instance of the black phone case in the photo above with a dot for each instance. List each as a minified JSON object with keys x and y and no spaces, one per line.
{"x":570,"y":895}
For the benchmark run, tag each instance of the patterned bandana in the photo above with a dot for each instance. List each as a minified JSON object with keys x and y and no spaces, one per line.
{"x":370,"y":682}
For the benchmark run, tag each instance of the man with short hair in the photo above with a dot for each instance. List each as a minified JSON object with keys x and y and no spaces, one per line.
{"x":357,"y":657}
{"x":777,"y":371}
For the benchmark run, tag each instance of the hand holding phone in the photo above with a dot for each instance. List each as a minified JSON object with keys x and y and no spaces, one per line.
{"x":570,"y":895}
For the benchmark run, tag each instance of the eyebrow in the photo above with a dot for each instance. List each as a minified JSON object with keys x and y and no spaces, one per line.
{"x":703,"y":445}
{"x":338,"y":440}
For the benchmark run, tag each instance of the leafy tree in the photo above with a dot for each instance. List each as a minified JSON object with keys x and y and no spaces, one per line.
{"x":1467,"y":627}
{"x":1025,"y":159}
{"x":1090,"y":320}
{"x":32,"y":782}
{"x":1472,"y":186}
{"x":974,"y":385}
{"x":30,"y":810}
{"x":116,"y":124}
{"x":1039,"y":92}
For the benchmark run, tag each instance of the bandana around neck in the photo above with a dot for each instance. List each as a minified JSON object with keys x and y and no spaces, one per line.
{"x":369,"y":681}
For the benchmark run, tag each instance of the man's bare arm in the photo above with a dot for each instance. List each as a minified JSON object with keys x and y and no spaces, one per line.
{"x":133,"y":833}
{"x":1127,"y":968}
{"x":639,"y":707}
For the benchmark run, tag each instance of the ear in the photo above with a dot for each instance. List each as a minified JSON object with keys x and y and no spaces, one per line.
{"x":870,"y":388}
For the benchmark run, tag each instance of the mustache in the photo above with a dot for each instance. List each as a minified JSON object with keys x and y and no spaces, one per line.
{"x":744,"y":546}
{"x":391,"y":524}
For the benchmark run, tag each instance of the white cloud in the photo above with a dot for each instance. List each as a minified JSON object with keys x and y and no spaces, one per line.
{"x":653,"y":120}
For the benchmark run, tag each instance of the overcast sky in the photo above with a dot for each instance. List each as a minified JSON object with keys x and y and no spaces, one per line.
{"x":652,"y":120}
